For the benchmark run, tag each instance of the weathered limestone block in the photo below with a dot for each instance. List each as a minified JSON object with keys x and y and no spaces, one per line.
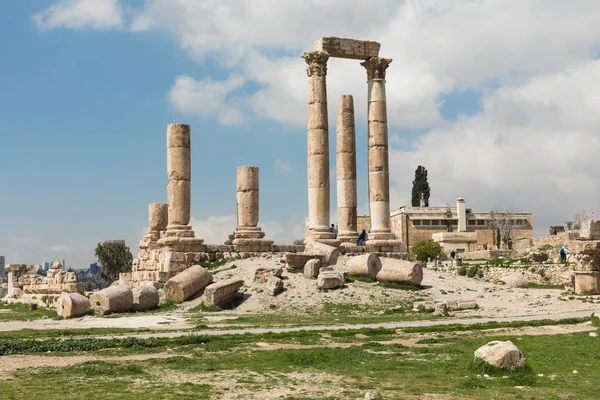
{"x":367,"y":265}
{"x":330,"y":279}
{"x":262,"y":274}
{"x":503,"y":355}
{"x":466,"y":304}
{"x":125,"y":278}
{"x":113,"y":299}
{"x":145,"y":298}
{"x":187,"y":283}
{"x":221,"y":294}
{"x":586,"y":262}
{"x":400,"y":271}
{"x":69,"y":305}
{"x":311,"y":268}
{"x":516,"y":280}
{"x":298,"y":261}
{"x":590,"y":230}
{"x":538,"y":256}
{"x":274,"y":286}
{"x":587,"y":282}
{"x":158,"y":216}
{"x":331,"y":253}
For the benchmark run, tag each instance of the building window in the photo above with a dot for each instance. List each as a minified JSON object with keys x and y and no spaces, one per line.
{"x":416,"y":222}
{"x":454,"y":222}
{"x":480,"y":222}
{"x":435,"y":222}
{"x":472,"y":222}
{"x":426,"y":222}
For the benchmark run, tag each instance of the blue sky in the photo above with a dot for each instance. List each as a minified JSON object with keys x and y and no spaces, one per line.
{"x":87,"y":94}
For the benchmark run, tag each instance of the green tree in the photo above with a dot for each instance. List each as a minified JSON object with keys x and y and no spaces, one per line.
{"x":420,"y":187}
{"x":114,"y":257}
{"x":425,"y":249}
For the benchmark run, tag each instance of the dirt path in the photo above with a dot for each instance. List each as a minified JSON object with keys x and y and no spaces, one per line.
{"x":391,"y":325}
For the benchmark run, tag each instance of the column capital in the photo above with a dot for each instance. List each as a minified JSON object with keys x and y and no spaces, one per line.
{"x":376,"y":67}
{"x":316,"y":62}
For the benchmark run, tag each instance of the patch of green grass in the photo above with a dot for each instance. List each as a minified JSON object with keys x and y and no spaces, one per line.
{"x":400,"y":286}
{"x":361,"y":279}
{"x":23,"y":312}
{"x":66,"y":333}
{"x":545,"y":247}
{"x":495,"y":325}
{"x":204,"y":308}
{"x":217,"y":263}
{"x":538,"y":286}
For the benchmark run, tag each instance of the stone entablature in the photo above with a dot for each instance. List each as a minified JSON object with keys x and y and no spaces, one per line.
{"x":348,"y":48}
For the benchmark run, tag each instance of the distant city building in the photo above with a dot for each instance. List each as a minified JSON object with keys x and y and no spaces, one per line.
{"x":2,"y":261}
{"x":94,"y":269}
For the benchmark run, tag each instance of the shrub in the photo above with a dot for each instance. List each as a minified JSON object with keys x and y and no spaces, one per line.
{"x":425,"y":249}
{"x":462,"y":271}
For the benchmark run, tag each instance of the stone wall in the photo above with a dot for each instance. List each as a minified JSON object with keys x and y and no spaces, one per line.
{"x":541,"y":274}
{"x":485,"y":254}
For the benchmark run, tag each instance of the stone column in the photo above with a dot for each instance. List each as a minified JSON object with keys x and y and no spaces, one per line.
{"x":179,"y":171}
{"x":461,"y":212}
{"x":158,"y":217}
{"x":247,"y":206}
{"x":318,"y":148}
{"x":379,"y":176}
{"x":346,"y":170}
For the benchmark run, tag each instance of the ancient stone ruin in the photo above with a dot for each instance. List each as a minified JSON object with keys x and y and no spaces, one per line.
{"x":380,"y":236}
{"x":170,"y":246}
{"x":24,"y":280}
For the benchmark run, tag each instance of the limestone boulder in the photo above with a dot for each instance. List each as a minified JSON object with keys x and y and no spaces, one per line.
{"x":366,"y":265}
{"x":113,"y":299}
{"x":311,"y":269}
{"x":516,"y":280}
{"x":503,"y":355}
{"x":297,"y":261}
{"x":330,"y":279}
{"x":537,"y":256}
{"x":331,"y":253}
{"x":400,"y":271}
{"x":187,"y":283}
{"x":69,"y":305}
{"x":274,"y":286}
{"x":145,"y":298}
{"x":590,"y":230}
{"x":262,"y":274}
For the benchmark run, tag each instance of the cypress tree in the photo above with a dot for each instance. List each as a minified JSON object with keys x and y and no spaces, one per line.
{"x":420,"y":186}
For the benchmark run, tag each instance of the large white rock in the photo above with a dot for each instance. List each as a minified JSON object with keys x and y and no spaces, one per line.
{"x":331,"y":253}
{"x":400,"y":271}
{"x":72,"y":305}
{"x":329,"y":279}
{"x":113,"y":299}
{"x":516,"y":280}
{"x":503,"y":355}
{"x":367,"y":265}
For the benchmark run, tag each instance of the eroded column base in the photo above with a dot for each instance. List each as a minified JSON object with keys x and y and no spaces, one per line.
{"x":248,"y":233}
{"x":347,"y":238}
{"x":322,"y":235}
{"x":179,"y":231}
{"x":383,"y":245}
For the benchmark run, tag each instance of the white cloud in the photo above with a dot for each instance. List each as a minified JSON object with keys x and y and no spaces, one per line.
{"x":283,"y":166}
{"x":214,"y":230}
{"x":207,"y":98}
{"x":77,"y":14}
{"x":60,"y":248}
{"x":534,"y":143}
{"x":533,"y":146}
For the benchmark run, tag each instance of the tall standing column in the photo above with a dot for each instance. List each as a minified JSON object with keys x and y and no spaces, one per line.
{"x":346,"y":170}
{"x":179,"y":171}
{"x":379,"y":176}
{"x":247,"y":206}
{"x":318,"y":148}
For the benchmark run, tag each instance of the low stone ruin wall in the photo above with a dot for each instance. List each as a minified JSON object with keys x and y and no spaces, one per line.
{"x":484,"y":254}
{"x":541,"y":274}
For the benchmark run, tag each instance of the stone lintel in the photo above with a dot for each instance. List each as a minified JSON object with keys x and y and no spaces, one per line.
{"x":348,"y":48}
